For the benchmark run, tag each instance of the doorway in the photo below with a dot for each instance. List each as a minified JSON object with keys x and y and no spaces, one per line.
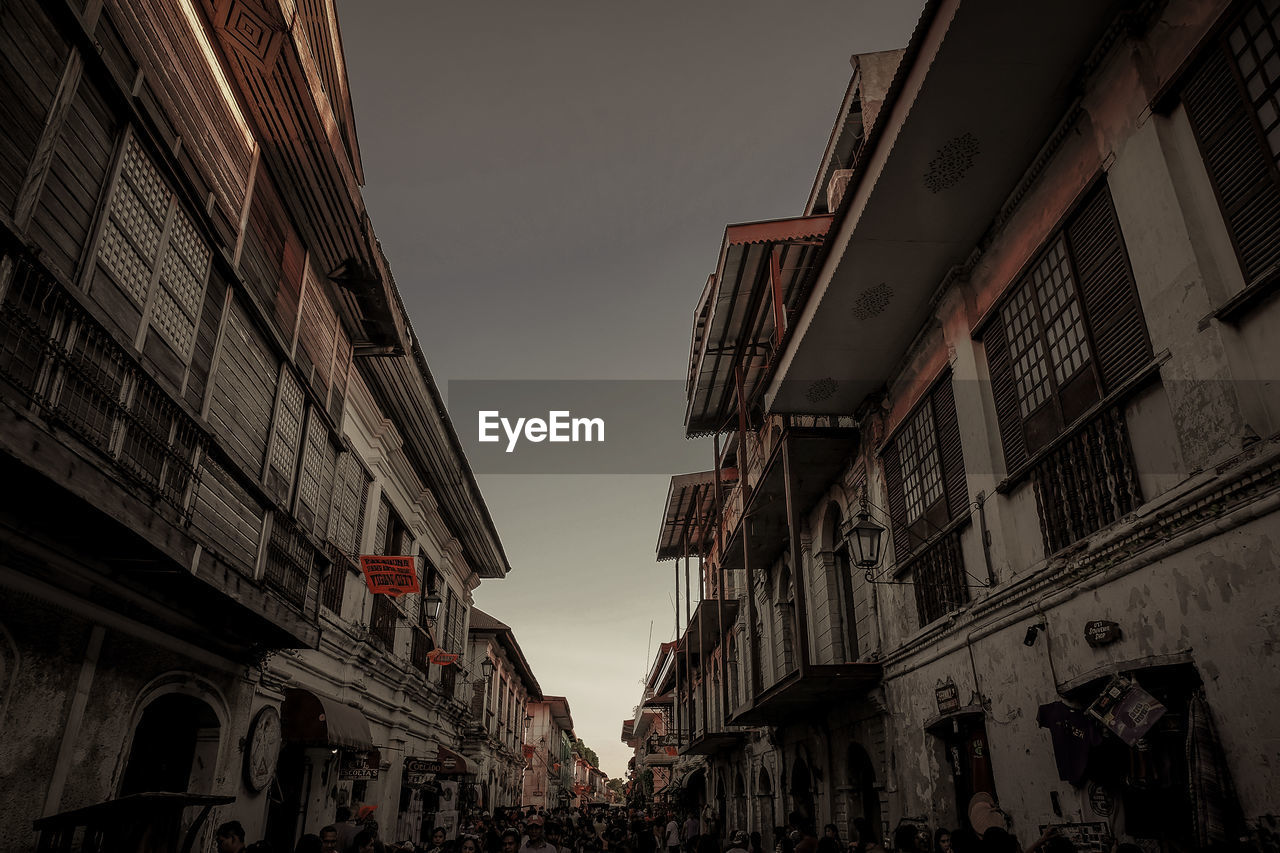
{"x":175,"y":747}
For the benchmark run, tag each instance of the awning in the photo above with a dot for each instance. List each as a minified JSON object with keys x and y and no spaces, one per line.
{"x":690,"y":514}
{"x":320,"y":721}
{"x":451,"y":763}
{"x":705,"y":628}
{"x":736,"y":321}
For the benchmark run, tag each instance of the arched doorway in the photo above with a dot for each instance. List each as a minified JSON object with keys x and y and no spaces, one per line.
{"x":175,"y":747}
{"x":764,"y":802}
{"x":864,"y":799}
{"x":801,"y":789}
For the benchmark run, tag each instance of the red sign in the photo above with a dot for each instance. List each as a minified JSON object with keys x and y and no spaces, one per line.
{"x":390,"y":575}
{"x":528,"y":750}
{"x":441,"y":657}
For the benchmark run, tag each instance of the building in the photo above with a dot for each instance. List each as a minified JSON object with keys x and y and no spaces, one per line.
{"x":211,"y":403}
{"x":1023,"y":328}
{"x":495,"y":741}
{"x":651,"y":733}
{"x":548,"y":775}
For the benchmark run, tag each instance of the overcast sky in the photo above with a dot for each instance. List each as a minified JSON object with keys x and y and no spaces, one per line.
{"x":551,"y":181}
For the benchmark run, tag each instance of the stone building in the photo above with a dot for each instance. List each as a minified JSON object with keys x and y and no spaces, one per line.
{"x":495,"y":736}
{"x":548,"y":774}
{"x":210,"y":403}
{"x":1023,"y":327}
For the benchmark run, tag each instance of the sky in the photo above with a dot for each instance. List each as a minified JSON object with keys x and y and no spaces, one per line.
{"x":551,"y":181}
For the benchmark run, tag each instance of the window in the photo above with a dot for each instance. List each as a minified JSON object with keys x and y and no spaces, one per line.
{"x":1069,"y":331}
{"x":153,"y":251}
{"x":286,"y":430}
{"x":924,"y":471}
{"x":391,"y":538}
{"x":1232,"y":98}
{"x":928,"y":500}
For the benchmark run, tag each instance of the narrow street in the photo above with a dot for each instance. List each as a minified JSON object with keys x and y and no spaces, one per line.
{"x":938,"y":339}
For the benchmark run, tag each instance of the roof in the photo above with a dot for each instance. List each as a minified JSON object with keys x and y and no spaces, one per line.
{"x":558,"y":706}
{"x":690,"y":513}
{"x":483,"y":623}
{"x":742,"y":322}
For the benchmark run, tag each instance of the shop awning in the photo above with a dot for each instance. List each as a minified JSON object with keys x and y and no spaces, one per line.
{"x":452,"y":763}
{"x":314,"y":720}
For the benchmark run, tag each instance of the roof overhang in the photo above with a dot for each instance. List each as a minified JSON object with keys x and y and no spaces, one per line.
{"x":690,"y":516}
{"x":989,"y":81}
{"x":714,"y":743}
{"x":735,"y":324}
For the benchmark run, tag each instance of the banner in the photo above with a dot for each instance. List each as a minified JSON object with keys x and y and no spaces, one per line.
{"x":386,"y":575}
{"x":528,"y":750}
{"x":441,"y":657}
{"x":1126,"y":709}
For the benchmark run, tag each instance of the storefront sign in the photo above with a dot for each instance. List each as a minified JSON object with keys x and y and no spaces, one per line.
{"x":359,"y":765}
{"x":948,"y":696}
{"x":441,"y":657}
{"x":388,"y":575}
{"x":1127,"y":710}
{"x":1085,"y":837}
{"x":1100,"y":632}
{"x":419,"y":771}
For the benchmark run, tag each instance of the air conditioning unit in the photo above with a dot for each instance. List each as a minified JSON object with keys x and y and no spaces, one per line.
{"x":836,"y":188}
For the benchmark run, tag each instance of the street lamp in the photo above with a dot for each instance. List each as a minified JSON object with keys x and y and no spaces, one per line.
{"x":432,"y":603}
{"x":486,"y":668}
{"x":866,"y":534}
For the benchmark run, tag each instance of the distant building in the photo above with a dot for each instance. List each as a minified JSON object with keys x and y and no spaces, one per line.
{"x":548,"y":776}
{"x":495,"y":738}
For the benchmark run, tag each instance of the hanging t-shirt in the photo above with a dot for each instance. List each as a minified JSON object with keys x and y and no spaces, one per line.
{"x":1074,"y":734}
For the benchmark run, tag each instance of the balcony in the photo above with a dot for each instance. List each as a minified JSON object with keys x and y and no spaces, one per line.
{"x":803,"y":691}
{"x":1086,"y":481}
{"x":168,"y":516}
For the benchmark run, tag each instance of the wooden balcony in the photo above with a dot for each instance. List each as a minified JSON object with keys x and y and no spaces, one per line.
{"x":812,"y":690}
{"x":166,"y":515}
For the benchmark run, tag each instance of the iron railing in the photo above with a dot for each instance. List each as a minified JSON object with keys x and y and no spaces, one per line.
{"x":73,"y":373}
{"x":334,"y":585}
{"x":382,"y":622}
{"x":290,"y":560}
{"x":939,"y":578}
{"x":1087,"y":482}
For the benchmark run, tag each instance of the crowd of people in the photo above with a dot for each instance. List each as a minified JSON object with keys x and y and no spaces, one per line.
{"x":565,"y":830}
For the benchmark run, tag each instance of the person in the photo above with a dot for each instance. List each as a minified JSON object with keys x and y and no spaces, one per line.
{"x":781,"y":840}
{"x":309,"y":843}
{"x":827,"y":844}
{"x":738,"y":841}
{"x":468,"y":845}
{"x":905,"y":838}
{"x":802,"y":834}
{"x":942,"y":840}
{"x":510,"y":841}
{"x":673,"y":835}
{"x":535,"y":837}
{"x":364,"y":842}
{"x":230,"y":837}
{"x":867,"y":840}
{"x":756,"y":842}
{"x":692,"y":829}
{"x":346,"y":826}
{"x":989,"y":825}
{"x":832,"y":832}
{"x":438,"y":838}
{"x":329,"y":839}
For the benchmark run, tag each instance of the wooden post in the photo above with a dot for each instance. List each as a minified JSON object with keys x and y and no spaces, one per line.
{"x":797,"y":570}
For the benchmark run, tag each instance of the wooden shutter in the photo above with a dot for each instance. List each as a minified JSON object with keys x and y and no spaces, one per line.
{"x":947,"y":431}
{"x":286,"y":432}
{"x":244,"y":381}
{"x":380,"y":534}
{"x":1110,"y":298}
{"x":897,"y":503}
{"x":1004,"y":392}
{"x":1237,"y":160}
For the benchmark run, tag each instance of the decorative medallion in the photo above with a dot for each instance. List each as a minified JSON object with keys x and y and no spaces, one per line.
{"x":952,"y":162}
{"x":262,"y":749}
{"x":821,"y":389}
{"x":872,"y":301}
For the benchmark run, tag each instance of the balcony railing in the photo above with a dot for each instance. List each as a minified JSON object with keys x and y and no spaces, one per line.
{"x":333,"y":587}
{"x":938,"y":577}
{"x":290,"y":560}
{"x":73,"y":373}
{"x":1087,"y":482}
{"x":382,"y":622}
